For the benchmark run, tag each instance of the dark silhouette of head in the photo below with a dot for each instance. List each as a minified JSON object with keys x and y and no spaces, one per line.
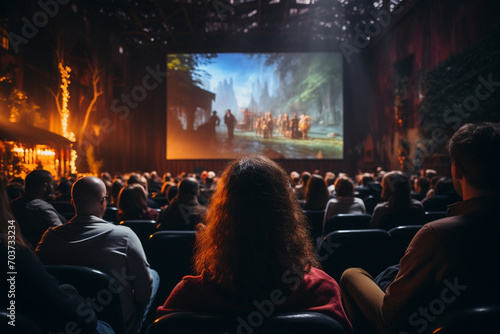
{"x":38,"y":183}
{"x":132,"y":201}
{"x":317,"y":194}
{"x":474,"y":149}
{"x":189,"y":186}
{"x":396,"y":189}
{"x":256,"y":232}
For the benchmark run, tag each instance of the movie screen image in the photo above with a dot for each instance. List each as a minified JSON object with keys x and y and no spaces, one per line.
{"x":282,"y":105}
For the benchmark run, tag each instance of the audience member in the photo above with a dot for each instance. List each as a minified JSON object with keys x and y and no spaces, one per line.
{"x":434,"y":181}
{"x":300,"y":189}
{"x":344,"y":202}
{"x":33,"y":214}
{"x":116,"y":187}
{"x":15,"y":190}
{"x":132,"y":204}
{"x":37,"y":295}
{"x":294,"y":179}
{"x":317,"y":194}
{"x":422,"y":186}
{"x":430,"y":173}
{"x":88,"y":240}
{"x":330,"y":182}
{"x":255,"y":243}
{"x":398,"y":207}
{"x":454,"y":260}
{"x":210,"y":186}
{"x":63,"y":190}
{"x":367,"y":187}
{"x":140,"y":179}
{"x":154,"y":183}
{"x":444,"y":195}
{"x":184,"y":212}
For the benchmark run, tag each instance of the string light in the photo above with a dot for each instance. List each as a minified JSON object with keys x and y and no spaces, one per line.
{"x":65,"y":70}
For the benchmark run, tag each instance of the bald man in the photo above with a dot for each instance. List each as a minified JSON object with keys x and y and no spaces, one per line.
{"x":87,"y":240}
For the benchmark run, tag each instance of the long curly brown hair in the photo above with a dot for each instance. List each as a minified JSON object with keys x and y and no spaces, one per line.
{"x":255,"y":231}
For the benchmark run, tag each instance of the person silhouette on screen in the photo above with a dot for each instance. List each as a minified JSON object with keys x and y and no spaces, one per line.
{"x":213,"y":122}
{"x":230,"y":122}
{"x":294,"y":126}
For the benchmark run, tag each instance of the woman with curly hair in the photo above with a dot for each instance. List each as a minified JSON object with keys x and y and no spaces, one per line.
{"x":255,"y":246}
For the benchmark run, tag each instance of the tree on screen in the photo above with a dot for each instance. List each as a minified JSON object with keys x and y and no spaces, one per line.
{"x":309,"y":83}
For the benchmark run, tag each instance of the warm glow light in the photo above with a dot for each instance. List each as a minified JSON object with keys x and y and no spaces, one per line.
{"x":18,"y":150}
{"x":65,"y":113}
{"x":72,"y":164}
{"x":65,"y":98}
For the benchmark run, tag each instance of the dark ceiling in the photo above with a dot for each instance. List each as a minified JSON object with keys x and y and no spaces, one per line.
{"x":240,"y":24}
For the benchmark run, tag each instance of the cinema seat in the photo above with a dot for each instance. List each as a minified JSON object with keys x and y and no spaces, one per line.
{"x":142,"y":228}
{"x":346,"y":221}
{"x":478,"y":319}
{"x":315,"y":218}
{"x":402,"y":236}
{"x":23,"y":324}
{"x":370,"y":249}
{"x":256,"y":323}
{"x":92,"y":283}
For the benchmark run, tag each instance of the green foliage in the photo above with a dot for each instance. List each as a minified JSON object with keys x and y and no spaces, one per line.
{"x":305,"y":79}
{"x":184,"y":68}
{"x":453,"y":84}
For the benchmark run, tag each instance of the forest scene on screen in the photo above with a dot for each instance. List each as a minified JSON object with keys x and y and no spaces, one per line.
{"x":282,"y":105}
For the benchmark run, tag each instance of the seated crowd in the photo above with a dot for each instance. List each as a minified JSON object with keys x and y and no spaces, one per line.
{"x":253,"y":238}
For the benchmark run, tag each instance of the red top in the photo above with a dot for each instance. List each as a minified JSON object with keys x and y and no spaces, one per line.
{"x":316,"y":292}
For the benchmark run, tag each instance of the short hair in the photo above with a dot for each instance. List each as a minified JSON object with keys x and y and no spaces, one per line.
{"x":305,"y":176}
{"x":132,"y":201}
{"x":139,"y":179}
{"x":344,"y":187}
{"x":424,"y":184}
{"x":475,"y":149}
{"x":36,"y":179}
{"x":329,"y":178}
{"x":396,"y":189}
{"x":189,"y":186}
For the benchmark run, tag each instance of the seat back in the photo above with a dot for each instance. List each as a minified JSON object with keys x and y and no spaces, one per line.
{"x":99,"y":287}
{"x":479,"y":319}
{"x":370,"y":249}
{"x":23,"y":324}
{"x":254,"y":322}
{"x":315,"y":218}
{"x":370,"y":203}
{"x":346,"y":221}
{"x":402,"y":236}
{"x":142,"y":228}
{"x":434,"y":215}
{"x":412,"y":216}
{"x":110,"y":214}
{"x":64,"y":208}
{"x":170,"y":253}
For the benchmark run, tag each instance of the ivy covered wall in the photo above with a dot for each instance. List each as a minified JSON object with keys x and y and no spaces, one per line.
{"x":429,"y":59}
